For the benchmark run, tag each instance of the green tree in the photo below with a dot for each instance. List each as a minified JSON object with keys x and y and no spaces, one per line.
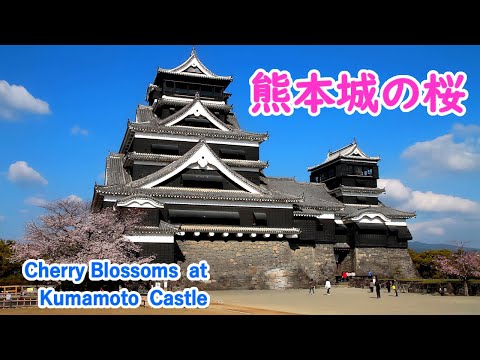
{"x":10,"y":272}
{"x":426,"y":264}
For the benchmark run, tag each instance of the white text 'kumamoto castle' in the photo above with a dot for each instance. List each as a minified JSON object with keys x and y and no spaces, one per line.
{"x":198,"y":175}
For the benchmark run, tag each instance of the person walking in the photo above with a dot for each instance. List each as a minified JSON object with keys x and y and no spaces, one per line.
{"x":328,"y":286}
{"x":311,"y":289}
{"x":372,"y":284}
{"x":388,"y":285}
{"x":377,"y":287}
{"x":394,"y":287}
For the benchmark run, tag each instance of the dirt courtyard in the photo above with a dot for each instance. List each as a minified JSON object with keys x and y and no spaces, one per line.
{"x":343,"y":300}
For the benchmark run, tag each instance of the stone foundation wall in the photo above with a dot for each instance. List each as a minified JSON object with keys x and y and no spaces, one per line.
{"x":258,"y":264}
{"x":280,"y":264}
{"x":384,"y":262}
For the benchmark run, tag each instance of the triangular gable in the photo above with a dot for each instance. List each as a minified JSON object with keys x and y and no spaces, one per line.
{"x":354,"y":150}
{"x":349,"y":150}
{"x":193,"y":62}
{"x":200,"y":156}
{"x":195,"y":108}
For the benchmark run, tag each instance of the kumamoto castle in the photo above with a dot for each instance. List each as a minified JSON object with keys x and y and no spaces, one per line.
{"x":199,"y":177}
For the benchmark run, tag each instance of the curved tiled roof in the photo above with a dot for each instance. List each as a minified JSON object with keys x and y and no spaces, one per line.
{"x":185,"y":158}
{"x":145,"y":114}
{"x":170,"y":158}
{"x":356,"y":189}
{"x":186,"y":109}
{"x":134,"y":187}
{"x":195,"y":193}
{"x":238,"y":229}
{"x":182,"y":101}
{"x":351,"y":151}
{"x":315,"y":195}
{"x":163,"y":228}
{"x":352,"y":211}
{"x":194,"y":61}
{"x":193,"y":131}
{"x":115,"y":173}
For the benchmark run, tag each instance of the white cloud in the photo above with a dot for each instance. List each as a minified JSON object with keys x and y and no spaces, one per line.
{"x":2,"y":218}
{"x":74,"y":198}
{"x":443,"y":218}
{"x":466,"y":130}
{"x":444,"y":153}
{"x":19,"y":172}
{"x":15,"y":98}
{"x":435,"y":227}
{"x":77,"y":130}
{"x":36,"y":201}
{"x":447,"y":230}
{"x":23,"y":211}
{"x":394,"y":189}
{"x":414,"y":200}
{"x":429,"y":201}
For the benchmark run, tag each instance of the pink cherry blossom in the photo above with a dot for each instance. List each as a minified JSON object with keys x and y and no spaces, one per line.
{"x":462,"y":264}
{"x":69,"y":232}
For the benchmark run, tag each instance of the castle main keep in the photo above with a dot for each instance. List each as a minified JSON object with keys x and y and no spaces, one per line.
{"x":199,"y":176}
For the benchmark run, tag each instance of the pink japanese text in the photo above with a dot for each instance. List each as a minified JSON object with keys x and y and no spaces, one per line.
{"x":271,"y":93}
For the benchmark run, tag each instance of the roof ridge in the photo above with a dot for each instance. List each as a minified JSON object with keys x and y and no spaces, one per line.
{"x":283,"y":178}
{"x":186,"y":131}
{"x":343,"y":148}
{"x":176,"y":100}
{"x":193,"y":61}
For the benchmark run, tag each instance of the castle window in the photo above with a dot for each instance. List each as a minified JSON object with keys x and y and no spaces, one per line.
{"x":193,"y":89}
{"x":232,"y":154}
{"x":182,"y":89}
{"x":169,"y":87}
{"x":207,"y":91}
{"x":198,"y":122}
{"x":327,"y":174}
{"x":204,"y":217}
{"x":164,"y":149}
{"x":259,"y":219}
{"x":202,"y":181}
{"x":359,"y":170}
{"x":331,"y":173}
{"x":361,"y":200}
{"x":367,"y":171}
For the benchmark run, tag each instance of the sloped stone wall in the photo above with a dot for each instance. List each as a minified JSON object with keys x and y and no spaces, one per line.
{"x":280,"y":264}
{"x":258,"y":264}
{"x":384,"y":262}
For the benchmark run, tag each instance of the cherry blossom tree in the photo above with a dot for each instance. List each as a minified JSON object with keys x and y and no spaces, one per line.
{"x":461,"y":264}
{"x":69,"y":232}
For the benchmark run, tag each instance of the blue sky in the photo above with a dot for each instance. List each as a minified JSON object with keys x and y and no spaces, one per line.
{"x":63,"y":108}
